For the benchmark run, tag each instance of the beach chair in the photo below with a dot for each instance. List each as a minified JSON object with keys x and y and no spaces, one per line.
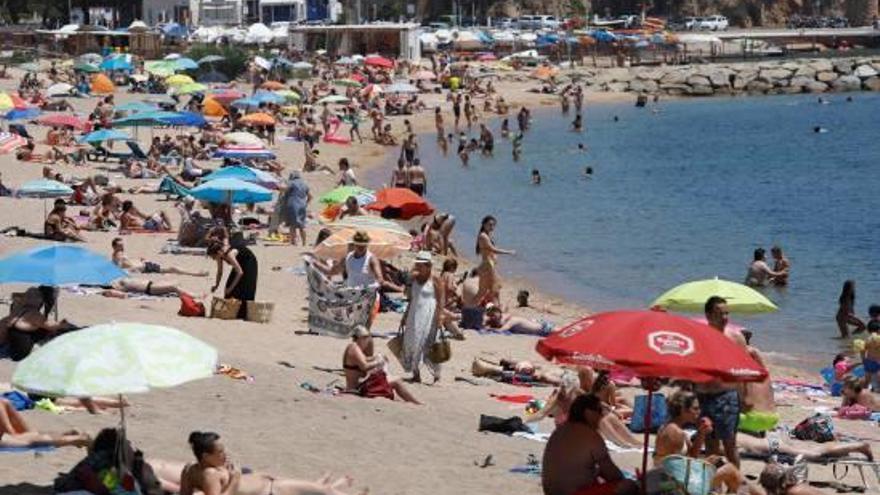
{"x":98,"y":152}
{"x":136,"y":150}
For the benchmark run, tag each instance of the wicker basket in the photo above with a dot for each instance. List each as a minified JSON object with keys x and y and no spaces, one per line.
{"x":260,"y":312}
{"x":225,"y":309}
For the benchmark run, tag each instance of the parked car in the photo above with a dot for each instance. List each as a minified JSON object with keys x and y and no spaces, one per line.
{"x":714,"y":23}
{"x":505,"y":23}
{"x":547,"y":22}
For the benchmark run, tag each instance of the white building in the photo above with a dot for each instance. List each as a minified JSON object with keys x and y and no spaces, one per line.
{"x":166,"y":11}
{"x":218,"y":12}
{"x":282,"y":11}
{"x":395,"y":40}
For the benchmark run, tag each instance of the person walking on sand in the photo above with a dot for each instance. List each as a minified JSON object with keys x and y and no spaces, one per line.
{"x":846,"y":313}
{"x":296,"y":202}
{"x":416,"y":178}
{"x":438,"y":123}
{"x":421,"y":320}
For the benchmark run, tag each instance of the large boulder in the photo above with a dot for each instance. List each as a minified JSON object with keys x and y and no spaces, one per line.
{"x":758,"y":86}
{"x":701,"y":90}
{"x":743,"y":78}
{"x":843,"y":66}
{"x":772,"y":75}
{"x":805,"y":71}
{"x":847,"y":83}
{"x":865,"y":71}
{"x":614,"y":74}
{"x":800,"y":81}
{"x":872,"y":84}
{"x":826,"y":76}
{"x":720,"y":78}
{"x":617,"y":87}
{"x":675,"y":89}
{"x":651,"y":75}
{"x":816,"y":87}
{"x":697,"y":80}
{"x":821,"y":65}
{"x":646,"y":85}
{"x":674,"y":77}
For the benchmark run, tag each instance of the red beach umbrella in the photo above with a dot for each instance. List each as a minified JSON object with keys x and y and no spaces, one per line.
{"x":399,"y":202}
{"x":62,"y":120}
{"x":377,"y":61}
{"x":653,"y":344}
{"x":227,"y":96}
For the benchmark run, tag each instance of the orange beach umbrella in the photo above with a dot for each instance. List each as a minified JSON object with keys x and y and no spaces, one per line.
{"x":259,"y":118}
{"x":213,"y":108}
{"x":102,"y":84}
{"x":399,"y":202}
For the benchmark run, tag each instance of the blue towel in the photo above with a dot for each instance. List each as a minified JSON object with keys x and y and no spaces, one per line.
{"x":19,"y":401}
{"x":16,"y":450}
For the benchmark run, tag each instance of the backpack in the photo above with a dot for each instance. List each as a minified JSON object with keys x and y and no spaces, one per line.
{"x":817,"y":428}
{"x":190,"y":307}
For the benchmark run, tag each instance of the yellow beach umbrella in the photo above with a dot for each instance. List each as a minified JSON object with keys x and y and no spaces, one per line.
{"x":6,"y":102}
{"x":692,"y":296}
{"x":190,"y":88}
{"x":178,"y":80}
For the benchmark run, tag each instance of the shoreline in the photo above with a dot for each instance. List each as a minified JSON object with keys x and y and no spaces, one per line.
{"x":543,"y":298}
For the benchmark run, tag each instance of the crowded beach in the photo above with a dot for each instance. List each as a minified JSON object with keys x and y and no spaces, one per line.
{"x":204,"y":286}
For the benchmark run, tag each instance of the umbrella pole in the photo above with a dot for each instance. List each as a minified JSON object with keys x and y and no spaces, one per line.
{"x":120,"y":442}
{"x":648,"y":425}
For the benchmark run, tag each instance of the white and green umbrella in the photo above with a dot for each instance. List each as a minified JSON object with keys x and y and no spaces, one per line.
{"x":115,"y":359}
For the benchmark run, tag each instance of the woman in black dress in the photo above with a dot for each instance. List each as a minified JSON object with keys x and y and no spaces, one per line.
{"x":242,"y":281}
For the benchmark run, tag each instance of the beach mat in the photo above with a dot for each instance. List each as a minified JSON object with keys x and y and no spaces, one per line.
{"x":19,"y":450}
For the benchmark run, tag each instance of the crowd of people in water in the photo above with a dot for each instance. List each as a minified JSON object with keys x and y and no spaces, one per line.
{"x":713,"y":423}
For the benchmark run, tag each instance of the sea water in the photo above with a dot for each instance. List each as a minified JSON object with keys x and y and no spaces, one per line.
{"x":686,"y":190}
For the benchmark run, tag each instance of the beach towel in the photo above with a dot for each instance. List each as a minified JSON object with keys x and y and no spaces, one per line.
{"x":513,"y":399}
{"x":506,"y":426}
{"x":336,"y":310}
{"x":19,"y":401}
{"x":33,"y":448}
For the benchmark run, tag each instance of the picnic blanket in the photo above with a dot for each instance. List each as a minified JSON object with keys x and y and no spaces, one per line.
{"x":336,"y":310}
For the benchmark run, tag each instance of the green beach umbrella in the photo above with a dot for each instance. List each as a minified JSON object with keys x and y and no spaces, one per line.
{"x":160,"y":67}
{"x":341,"y":193}
{"x":190,"y":88}
{"x":289,"y":95}
{"x":114,"y":359}
{"x":333,"y":99}
{"x":86,"y":67}
{"x":351,"y":83}
{"x":692,"y":296}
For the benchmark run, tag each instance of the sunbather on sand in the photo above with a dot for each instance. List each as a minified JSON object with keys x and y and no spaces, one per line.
{"x":365,"y":372}
{"x":123,"y":287}
{"x":508,"y":370}
{"x":496,"y":320}
{"x":15,"y":432}
{"x":144,"y":266}
{"x":26,"y":326}
{"x":133,"y":219}
{"x":214,"y":474}
{"x":811,"y":451}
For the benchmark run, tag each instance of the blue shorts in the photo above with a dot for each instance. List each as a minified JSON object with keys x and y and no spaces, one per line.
{"x":152,"y":224}
{"x":871,"y":365}
{"x":472,"y":318}
{"x":723,"y":409}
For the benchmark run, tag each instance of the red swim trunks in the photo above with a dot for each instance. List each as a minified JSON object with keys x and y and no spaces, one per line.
{"x":599,"y":489}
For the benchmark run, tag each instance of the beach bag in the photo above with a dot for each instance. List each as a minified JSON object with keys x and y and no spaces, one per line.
{"x":225,"y":309}
{"x":691,"y":476}
{"x":658,"y":413}
{"x":190,"y":307}
{"x":395,"y":345}
{"x":260,"y":312}
{"x":817,"y":428}
{"x":440,"y":351}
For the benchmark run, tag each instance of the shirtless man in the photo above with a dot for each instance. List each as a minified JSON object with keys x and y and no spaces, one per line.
{"x":760,"y":274}
{"x":719,"y":401}
{"x":418,"y":181}
{"x":781,"y":266}
{"x":58,"y":226}
{"x":132,"y":218}
{"x":124,"y":286}
{"x":854,"y":393}
{"x":576,"y":456}
{"x":471,"y":311}
{"x":144,"y":266}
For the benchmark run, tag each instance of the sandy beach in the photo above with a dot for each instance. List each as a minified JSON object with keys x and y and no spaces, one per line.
{"x":272,"y":424}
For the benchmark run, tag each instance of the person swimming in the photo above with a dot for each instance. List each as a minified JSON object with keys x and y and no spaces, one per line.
{"x":578,"y":124}
{"x":588,"y":172}
{"x":819,"y":130}
{"x":536,"y":177}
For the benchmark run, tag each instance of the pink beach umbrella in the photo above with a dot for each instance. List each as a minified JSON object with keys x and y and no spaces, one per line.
{"x":424,"y":75}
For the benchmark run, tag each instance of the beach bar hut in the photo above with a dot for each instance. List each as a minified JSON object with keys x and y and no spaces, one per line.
{"x":392,"y":40}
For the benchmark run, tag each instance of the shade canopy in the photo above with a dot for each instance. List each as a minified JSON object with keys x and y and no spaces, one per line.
{"x":692,"y":296}
{"x":115,"y":358}
{"x":231,"y":191}
{"x":58,"y":264}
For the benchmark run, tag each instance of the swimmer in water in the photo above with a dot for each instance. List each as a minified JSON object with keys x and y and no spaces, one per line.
{"x":616,"y":118}
{"x":819,"y":130}
{"x":517,"y":146}
{"x":536,"y":177}
{"x":588,"y":173}
{"x":578,"y":124}
{"x":823,"y":101}
{"x":582,"y":148}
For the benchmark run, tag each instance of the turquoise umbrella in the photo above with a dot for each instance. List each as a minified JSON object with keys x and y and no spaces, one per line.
{"x":246,"y":174}
{"x":145,"y":119}
{"x":230,"y":191}
{"x":44,"y":188}
{"x":104,"y":135}
{"x":58,"y":264}
{"x":137,"y":107}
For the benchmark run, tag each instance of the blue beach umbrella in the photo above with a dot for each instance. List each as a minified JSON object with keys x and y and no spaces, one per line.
{"x":104,"y":135}
{"x":117,"y":63}
{"x":246,"y":174}
{"x":244,"y":154}
{"x":184,"y":63}
{"x":44,"y":188}
{"x":23,"y":114}
{"x":268,"y":97}
{"x":137,"y":107}
{"x":58,"y":264}
{"x":185,"y":119}
{"x":246,"y":103}
{"x":231,"y":191}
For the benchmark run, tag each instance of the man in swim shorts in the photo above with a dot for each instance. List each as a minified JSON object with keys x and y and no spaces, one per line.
{"x":720,"y":402}
{"x":143,"y":266}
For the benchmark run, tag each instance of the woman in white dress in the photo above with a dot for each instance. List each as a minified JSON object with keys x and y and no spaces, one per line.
{"x":422,"y":318}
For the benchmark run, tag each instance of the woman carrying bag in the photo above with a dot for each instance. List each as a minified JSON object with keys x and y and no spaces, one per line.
{"x":421,"y":321}
{"x":241,"y":284}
